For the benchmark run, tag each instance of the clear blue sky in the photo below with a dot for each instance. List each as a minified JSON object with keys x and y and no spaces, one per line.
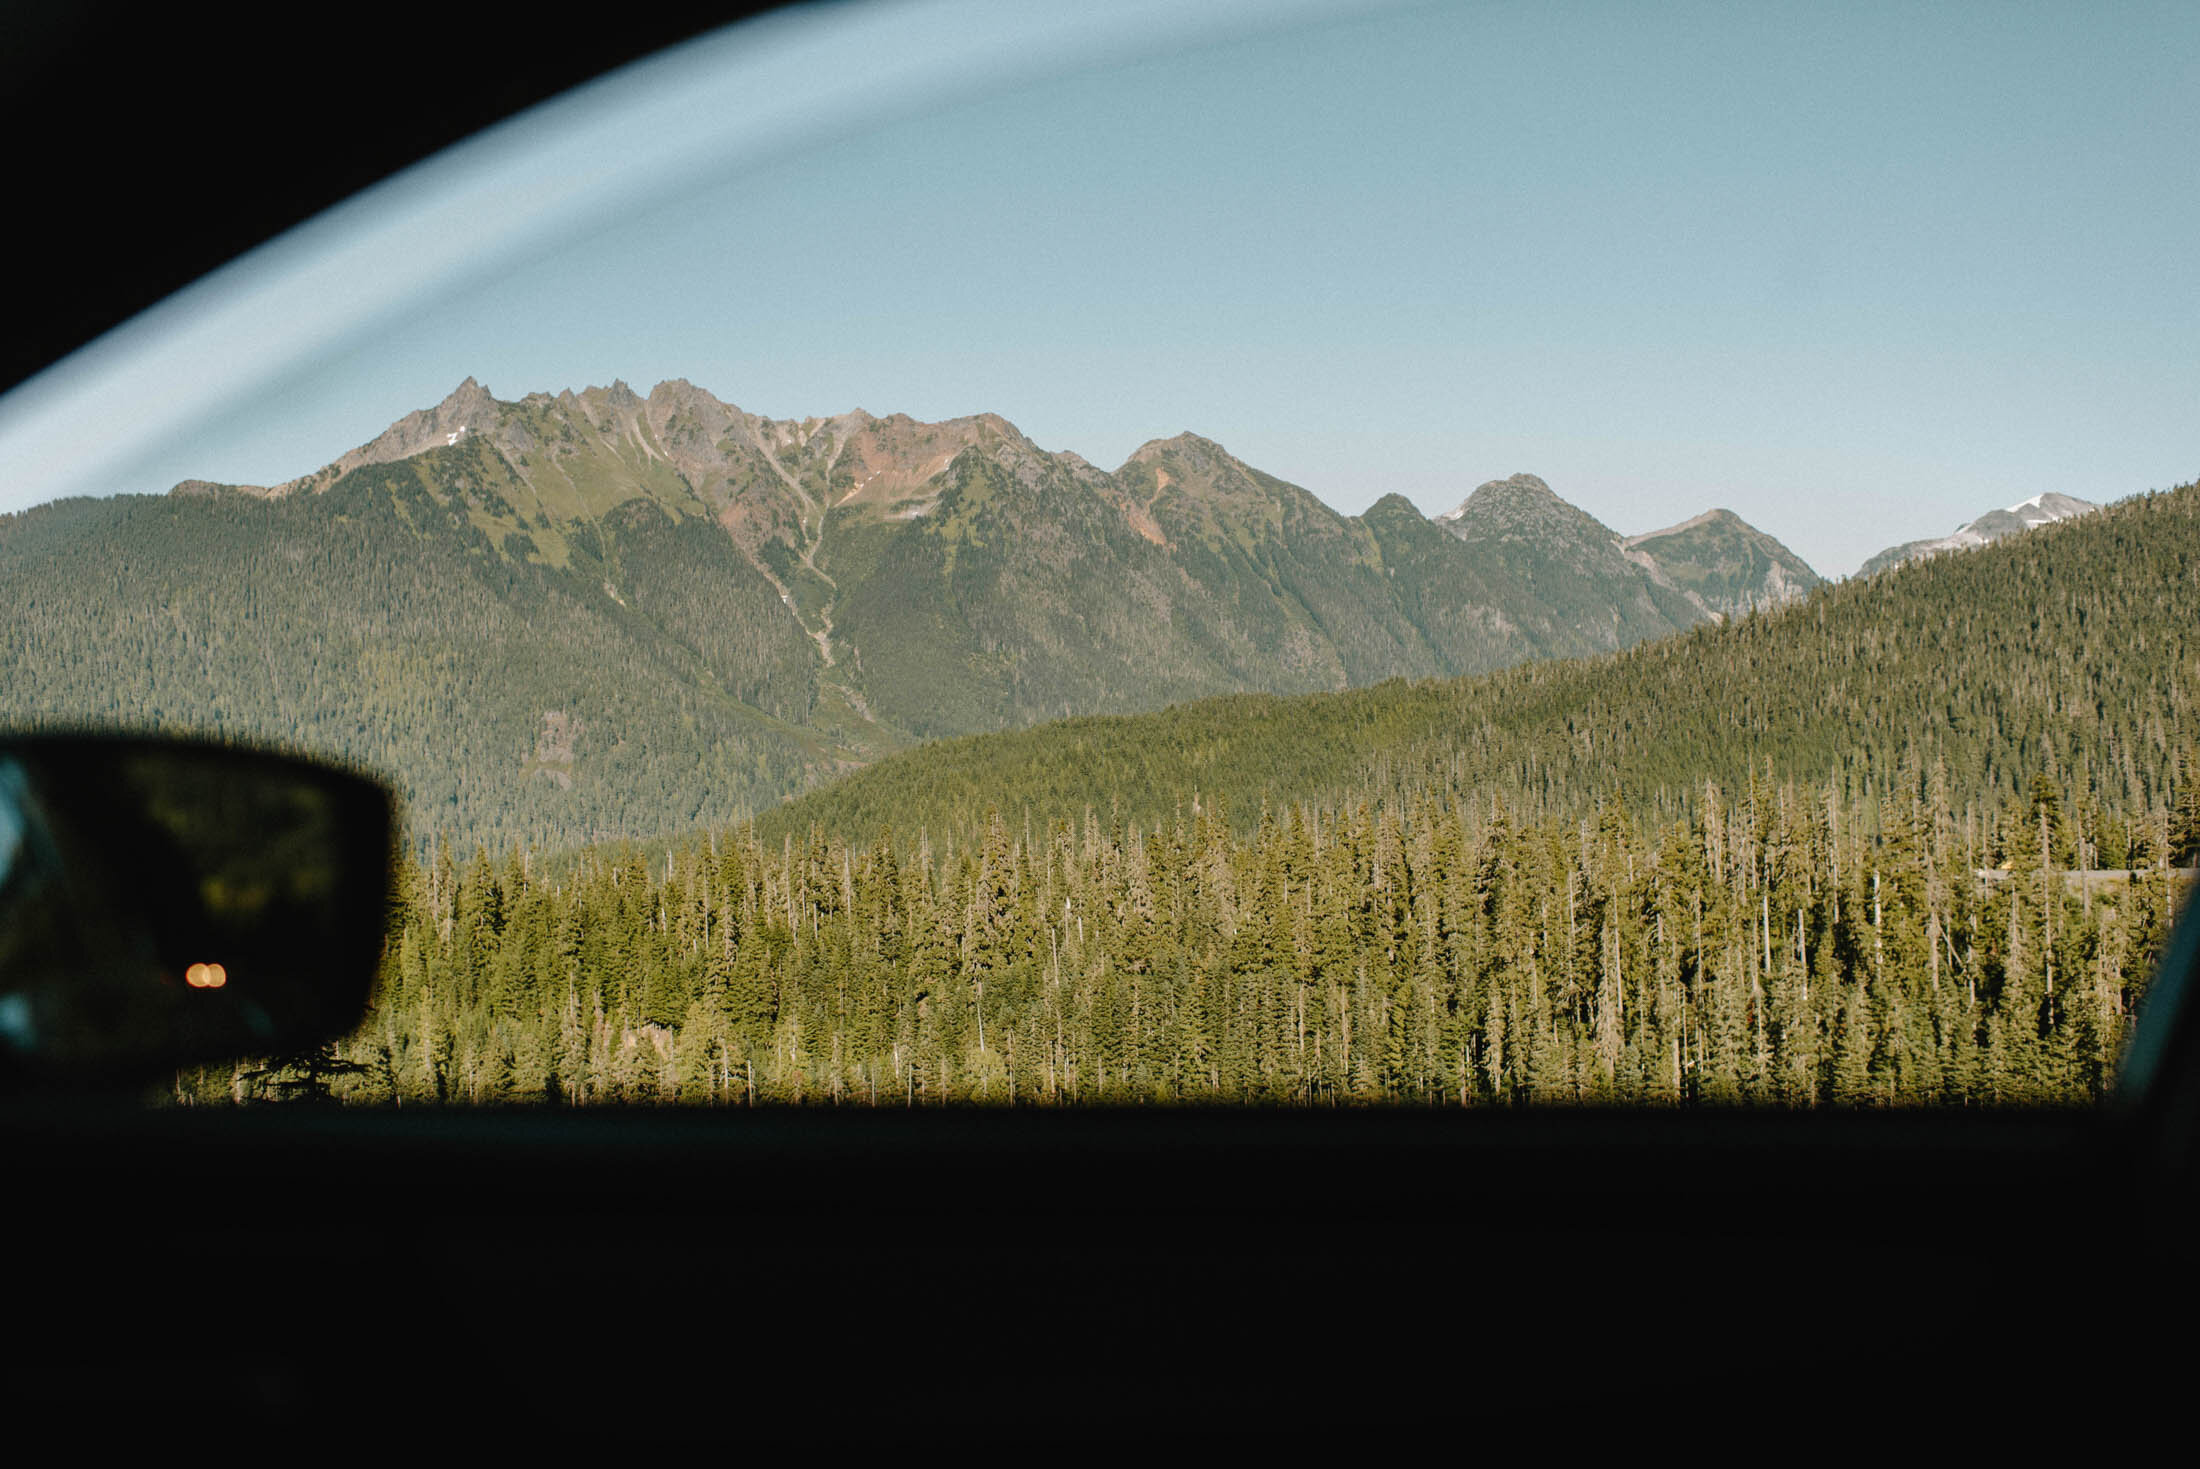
{"x":1856,"y":272}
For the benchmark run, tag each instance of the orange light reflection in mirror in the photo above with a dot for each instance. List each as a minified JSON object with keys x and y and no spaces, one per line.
{"x":206,"y":976}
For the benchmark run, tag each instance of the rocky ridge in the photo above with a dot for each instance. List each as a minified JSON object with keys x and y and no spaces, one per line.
{"x":714,"y":609}
{"x":1994,"y":525}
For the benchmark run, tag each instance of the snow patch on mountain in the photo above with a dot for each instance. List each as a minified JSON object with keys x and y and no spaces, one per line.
{"x":2045,"y":508}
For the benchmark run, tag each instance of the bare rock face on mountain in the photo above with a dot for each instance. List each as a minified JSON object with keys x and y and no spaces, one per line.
{"x":720,"y":608}
{"x":468,"y":410}
{"x":1723,"y":564}
{"x":1994,"y":525}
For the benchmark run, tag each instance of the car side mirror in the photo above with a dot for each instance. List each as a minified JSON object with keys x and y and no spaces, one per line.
{"x":168,"y":902}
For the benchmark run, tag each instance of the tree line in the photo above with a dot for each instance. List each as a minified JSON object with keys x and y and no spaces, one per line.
{"x":1783,"y":945}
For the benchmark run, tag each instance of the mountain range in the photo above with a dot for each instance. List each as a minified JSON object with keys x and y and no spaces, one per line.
{"x":594,"y":614}
{"x":1188,"y":526}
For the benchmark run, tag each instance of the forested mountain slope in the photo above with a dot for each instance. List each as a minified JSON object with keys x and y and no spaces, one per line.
{"x":1916,"y":841}
{"x":2071,"y":650}
{"x":510,"y":699}
{"x":583,"y":615}
{"x":1782,"y":947}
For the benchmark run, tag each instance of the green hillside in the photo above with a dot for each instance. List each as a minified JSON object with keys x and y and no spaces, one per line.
{"x":379,"y":622}
{"x":2070,"y":650}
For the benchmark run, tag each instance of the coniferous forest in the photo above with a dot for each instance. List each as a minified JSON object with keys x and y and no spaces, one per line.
{"x":1954,"y":908}
{"x":1782,"y":947}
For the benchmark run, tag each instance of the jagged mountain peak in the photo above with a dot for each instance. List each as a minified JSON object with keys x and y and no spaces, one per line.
{"x":1711,"y":565}
{"x":1517,"y":490}
{"x":897,"y":464}
{"x":468,"y":410}
{"x":1392,"y":504}
{"x":1190,"y":471}
{"x":678,"y":392}
{"x":1187,"y":488}
{"x":470,"y":399}
{"x":2041,"y":509}
{"x":1722,"y":563}
{"x":1187,"y":448}
{"x":1522,"y":504}
{"x":1715,"y":518}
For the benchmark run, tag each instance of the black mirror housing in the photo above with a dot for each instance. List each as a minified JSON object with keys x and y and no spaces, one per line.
{"x":170,"y":902}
